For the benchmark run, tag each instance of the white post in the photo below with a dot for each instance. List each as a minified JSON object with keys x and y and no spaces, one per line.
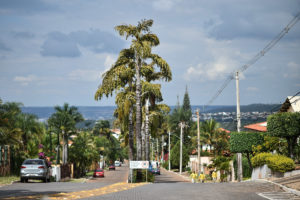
{"x":162,"y":148}
{"x":199,"y":150}
{"x":152,"y":149}
{"x":238,"y":116}
{"x":181,"y":130}
{"x":169,"y":151}
{"x":157,"y":154}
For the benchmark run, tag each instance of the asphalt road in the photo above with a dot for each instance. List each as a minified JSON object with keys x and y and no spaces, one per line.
{"x":168,"y":185}
{"x":39,"y":188}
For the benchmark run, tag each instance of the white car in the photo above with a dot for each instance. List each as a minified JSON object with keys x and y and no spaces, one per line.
{"x":117,"y":163}
{"x":35,"y":169}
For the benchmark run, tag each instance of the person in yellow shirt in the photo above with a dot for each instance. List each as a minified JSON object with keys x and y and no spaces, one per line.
{"x":194,"y":177}
{"x":202,"y":177}
{"x":214,"y":176}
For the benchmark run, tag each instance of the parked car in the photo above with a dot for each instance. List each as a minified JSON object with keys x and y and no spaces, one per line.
{"x":155,"y":167}
{"x":117,"y":163}
{"x":35,"y":169}
{"x":98,"y":173}
{"x":111,"y":167}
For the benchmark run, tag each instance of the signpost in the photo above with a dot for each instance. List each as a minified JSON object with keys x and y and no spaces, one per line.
{"x":138,"y":165}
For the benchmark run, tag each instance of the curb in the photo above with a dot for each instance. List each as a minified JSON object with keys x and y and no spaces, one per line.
{"x":287,"y":189}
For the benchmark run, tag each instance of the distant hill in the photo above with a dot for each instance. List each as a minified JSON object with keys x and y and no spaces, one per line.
{"x":106,"y":112}
{"x":248,"y":108}
{"x":88,"y":112}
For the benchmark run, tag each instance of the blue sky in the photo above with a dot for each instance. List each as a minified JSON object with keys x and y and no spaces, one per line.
{"x":54,"y":51}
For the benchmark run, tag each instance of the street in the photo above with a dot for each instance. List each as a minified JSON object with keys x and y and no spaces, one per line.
{"x":168,"y":185}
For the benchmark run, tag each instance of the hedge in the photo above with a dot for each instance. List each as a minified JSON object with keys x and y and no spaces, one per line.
{"x":275,"y":162}
{"x":242,"y":142}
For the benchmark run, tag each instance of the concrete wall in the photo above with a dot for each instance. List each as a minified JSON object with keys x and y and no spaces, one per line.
{"x":265,"y":172}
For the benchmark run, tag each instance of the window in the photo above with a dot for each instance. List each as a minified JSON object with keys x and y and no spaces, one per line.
{"x":33,"y":162}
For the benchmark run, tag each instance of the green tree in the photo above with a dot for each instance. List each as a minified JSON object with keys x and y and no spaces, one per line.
{"x":10,"y":133}
{"x":209,"y":129}
{"x":285,"y":125}
{"x":243,"y":142}
{"x":32,"y":132}
{"x":141,"y":44}
{"x":83,"y":152}
{"x":175,"y":156}
{"x":63,"y":121}
{"x":128,"y":71}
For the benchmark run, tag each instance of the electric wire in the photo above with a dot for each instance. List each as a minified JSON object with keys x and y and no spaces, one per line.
{"x":252,"y":61}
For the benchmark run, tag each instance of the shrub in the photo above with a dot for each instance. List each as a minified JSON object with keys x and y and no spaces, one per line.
{"x":260,"y":159}
{"x":166,"y":164}
{"x":275,"y":162}
{"x":280,"y":163}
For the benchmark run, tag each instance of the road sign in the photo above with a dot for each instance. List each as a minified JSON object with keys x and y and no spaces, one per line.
{"x":139,"y":164}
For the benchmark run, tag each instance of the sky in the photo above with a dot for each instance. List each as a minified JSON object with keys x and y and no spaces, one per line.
{"x":55,"y":51}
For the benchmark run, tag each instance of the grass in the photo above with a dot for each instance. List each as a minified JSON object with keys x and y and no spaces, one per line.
{"x":90,"y":173}
{"x":4,"y":180}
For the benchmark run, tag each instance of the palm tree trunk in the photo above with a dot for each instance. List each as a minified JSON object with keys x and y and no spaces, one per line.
{"x":131,"y":148}
{"x":65,"y":148}
{"x":147,"y":130}
{"x":138,"y":110}
{"x":143,"y":141}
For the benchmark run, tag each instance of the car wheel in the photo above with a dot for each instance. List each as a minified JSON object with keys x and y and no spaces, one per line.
{"x":26,"y":180}
{"x":22,"y":180}
{"x":45,"y":180}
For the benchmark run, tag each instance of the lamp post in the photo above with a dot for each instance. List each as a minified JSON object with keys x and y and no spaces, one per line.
{"x":169,"y":150}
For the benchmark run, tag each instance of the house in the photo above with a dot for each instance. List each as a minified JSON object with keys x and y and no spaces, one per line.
{"x":291,"y":104}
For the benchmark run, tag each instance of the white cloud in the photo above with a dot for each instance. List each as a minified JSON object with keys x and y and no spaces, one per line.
{"x":252,"y":89}
{"x":85,"y":75}
{"x":25,"y":80}
{"x":293,"y":70}
{"x":217,"y":69}
{"x":109,"y":61}
{"x":164,"y":5}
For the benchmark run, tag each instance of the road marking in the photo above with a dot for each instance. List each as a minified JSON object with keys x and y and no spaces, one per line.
{"x":278,"y":195}
{"x":117,"y":187}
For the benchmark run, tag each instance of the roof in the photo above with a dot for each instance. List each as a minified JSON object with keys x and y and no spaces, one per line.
{"x":291,"y":104}
{"x":223,"y":129}
{"x":262,"y":127}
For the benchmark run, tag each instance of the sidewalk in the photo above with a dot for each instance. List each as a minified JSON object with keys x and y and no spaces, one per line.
{"x":289,"y":184}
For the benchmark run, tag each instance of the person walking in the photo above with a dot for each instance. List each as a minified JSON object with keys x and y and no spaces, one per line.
{"x":202,"y":177}
{"x":194,"y":177}
{"x":214,"y":176}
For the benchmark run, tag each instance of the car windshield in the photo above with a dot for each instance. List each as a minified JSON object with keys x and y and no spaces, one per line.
{"x":33,"y":162}
{"x":99,"y":170}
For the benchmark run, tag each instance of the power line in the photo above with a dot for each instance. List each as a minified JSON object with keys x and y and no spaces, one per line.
{"x":268,"y":47}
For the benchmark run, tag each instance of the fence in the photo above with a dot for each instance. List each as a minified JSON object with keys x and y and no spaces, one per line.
{"x":4,"y":160}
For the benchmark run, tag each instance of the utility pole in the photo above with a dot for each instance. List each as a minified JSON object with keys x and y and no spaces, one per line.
{"x":238,"y":116}
{"x":162,"y":148}
{"x":198,"y":134}
{"x":169,"y":150}
{"x":157,"y":154}
{"x":151,"y":148}
{"x":181,"y":124}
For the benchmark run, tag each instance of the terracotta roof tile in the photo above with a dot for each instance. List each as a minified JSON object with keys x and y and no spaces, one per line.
{"x":262,"y":126}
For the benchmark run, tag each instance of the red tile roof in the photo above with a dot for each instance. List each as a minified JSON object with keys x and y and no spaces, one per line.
{"x":223,"y":129}
{"x":262,"y":126}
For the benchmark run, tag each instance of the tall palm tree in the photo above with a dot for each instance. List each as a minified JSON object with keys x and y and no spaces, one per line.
{"x":131,"y":67}
{"x":142,"y":43}
{"x":209,"y":129}
{"x":64,"y":121}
